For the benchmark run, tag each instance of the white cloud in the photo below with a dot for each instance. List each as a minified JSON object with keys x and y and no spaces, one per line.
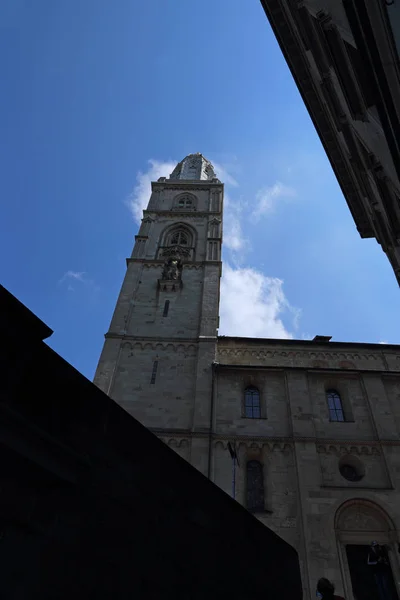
{"x":233,"y":235}
{"x":140,"y":196}
{"x":306,"y":336}
{"x":267,"y":198}
{"x":138,"y":201}
{"x":252,"y":304}
{"x":383,"y":342}
{"x":71,"y":277}
{"x":223,"y":175}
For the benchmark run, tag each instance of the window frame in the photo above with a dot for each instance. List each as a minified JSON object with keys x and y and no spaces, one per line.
{"x":335,"y":406}
{"x":166,"y":308}
{"x":258,"y":503}
{"x":182,"y":237}
{"x":185,"y":202}
{"x":250,"y":392}
{"x":154,"y":372}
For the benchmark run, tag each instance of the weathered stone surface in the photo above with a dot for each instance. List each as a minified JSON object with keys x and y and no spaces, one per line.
{"x":196,"y":405}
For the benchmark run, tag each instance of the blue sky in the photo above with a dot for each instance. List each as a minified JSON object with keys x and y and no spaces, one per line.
{"x":93,"y":91}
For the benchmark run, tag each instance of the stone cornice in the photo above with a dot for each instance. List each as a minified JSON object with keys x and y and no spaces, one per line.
{"x":185,"y":185}
{"x":153,"y":263}
{"x":318,"y":346}
{"x":339,"y":448}
{"x":308,"y":368}
{"x":148,"y":340}
{"x":184,"y":213}
{"x":322,"y":445}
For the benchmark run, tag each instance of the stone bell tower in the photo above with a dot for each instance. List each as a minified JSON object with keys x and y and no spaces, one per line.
{"x":158,"y":353}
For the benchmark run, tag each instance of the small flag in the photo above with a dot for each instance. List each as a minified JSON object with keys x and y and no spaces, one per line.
{"x":232,"y":452}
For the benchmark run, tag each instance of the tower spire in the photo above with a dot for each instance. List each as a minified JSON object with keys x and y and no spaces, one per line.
{"x":194,"y":167}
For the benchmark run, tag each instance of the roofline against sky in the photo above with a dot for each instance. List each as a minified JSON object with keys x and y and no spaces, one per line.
{"x":312,"y":343}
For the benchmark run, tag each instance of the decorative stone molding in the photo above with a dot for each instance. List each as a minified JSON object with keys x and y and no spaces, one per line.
{"x":187,"y":349}
{"x":362,"y":515}
{"x":231,"y":356}
{"x":169,"y":285}
{"x":341,"y":449}
{"x":267,"y":353}
{"x":286,"y":443}
{"x":255,"y":445}
{"x":200,"y":215}
{"x":176,"y":442}
{"x":181,"y":251}
{"x":160,"y":263}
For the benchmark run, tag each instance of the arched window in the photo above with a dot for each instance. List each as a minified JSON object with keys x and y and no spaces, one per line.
{"x":252,"y":408}
{"x":334,"y":405}
{"x":179,"y":238}
{"x":185,"y":202}
{"x":254,"y":486}
{"x":214,"y":229}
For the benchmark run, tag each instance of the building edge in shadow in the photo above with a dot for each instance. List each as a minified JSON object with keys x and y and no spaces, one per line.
{"x":93,"y":505}
{"x":343,"y":55}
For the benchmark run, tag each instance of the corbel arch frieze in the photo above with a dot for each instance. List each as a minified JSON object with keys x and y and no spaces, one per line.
{"x":346,"y":358}
{"x":188,"y":266}
{"x":340,"y":449}
{"x":186,"y":350}
{"x":153,"y":265}
{"x":254,"y":445}
{"x":175,"y":442}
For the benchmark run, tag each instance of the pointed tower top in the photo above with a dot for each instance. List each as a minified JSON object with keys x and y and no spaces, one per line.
{"x":194,"y":166}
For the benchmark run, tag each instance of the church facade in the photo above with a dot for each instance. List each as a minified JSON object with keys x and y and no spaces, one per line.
{"x":305,"y":434}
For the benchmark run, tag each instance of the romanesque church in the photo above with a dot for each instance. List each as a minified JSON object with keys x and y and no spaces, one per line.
{"x":304,"y":434}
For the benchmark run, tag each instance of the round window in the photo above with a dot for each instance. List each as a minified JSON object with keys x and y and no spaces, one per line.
{"x":351,"y":468}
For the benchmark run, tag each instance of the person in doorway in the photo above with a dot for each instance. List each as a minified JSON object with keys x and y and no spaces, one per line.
{"x":326,"y":590}
{"x":378,"y":561}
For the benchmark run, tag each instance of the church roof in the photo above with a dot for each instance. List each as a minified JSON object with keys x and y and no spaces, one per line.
{"x":194,"y":166}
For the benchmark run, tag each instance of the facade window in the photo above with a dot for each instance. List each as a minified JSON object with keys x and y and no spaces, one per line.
{"x":349,"y":473}
{"x":335,"y":406}
{"x":252,"y":408}
{"x":179,"y":238}
{"x":351,"y":468}
{"x":254,"y":486}
{"x":166,"y":308}
{"x":214,"y":229}
{"x":154,"y":372}
{"x":344,"y":72}
{"x":185,"y":203}
{"x":362,"y":74}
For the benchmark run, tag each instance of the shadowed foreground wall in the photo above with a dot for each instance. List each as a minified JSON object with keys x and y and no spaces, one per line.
{"x":93,"y":505}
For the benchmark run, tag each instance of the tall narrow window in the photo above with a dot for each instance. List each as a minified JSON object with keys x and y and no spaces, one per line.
{"x":154,"y":372}
{"x":252,"y":408}
{"x":166,"y":308}
{"x":255,"y":486}
{"x":335,"y":406}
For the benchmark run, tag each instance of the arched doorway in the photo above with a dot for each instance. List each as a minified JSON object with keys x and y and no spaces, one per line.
{"x":357,"y":523}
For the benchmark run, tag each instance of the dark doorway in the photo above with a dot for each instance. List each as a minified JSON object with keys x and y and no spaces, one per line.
{"x":362,"y":576}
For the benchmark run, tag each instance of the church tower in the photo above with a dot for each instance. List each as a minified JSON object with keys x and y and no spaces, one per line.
{"x":158,"y":353}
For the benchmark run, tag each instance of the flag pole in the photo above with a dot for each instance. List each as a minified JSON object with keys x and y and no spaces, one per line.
{"x":232,"y":452}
